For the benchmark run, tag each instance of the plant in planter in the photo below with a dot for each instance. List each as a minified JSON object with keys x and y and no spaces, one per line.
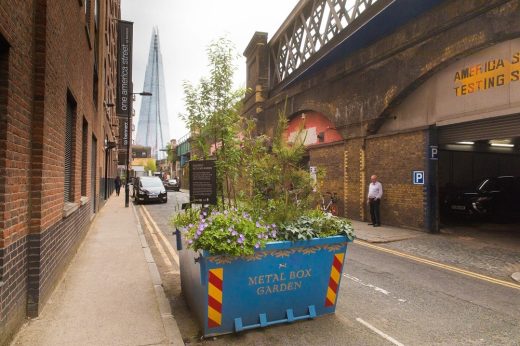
{"x":260,"y":257}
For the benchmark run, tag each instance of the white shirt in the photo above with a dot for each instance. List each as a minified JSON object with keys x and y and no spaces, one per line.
{"x":375,"y":190}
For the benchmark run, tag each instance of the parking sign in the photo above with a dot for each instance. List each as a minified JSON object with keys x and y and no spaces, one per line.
{"x":418,"y":177}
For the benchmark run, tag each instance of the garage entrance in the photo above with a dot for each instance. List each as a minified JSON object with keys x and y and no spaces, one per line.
{"x":479,"y":174}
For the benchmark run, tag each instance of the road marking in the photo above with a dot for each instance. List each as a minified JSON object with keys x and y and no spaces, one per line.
{"x":380,"y":333}
{"x":169,"y":247}
{"x":156,"y":240}
{"x":375,"y":288}
{"x":441,"y":265}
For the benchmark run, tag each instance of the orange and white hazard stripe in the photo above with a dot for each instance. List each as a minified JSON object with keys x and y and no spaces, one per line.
{"x":215,"y":281}
{"x":335,"y":274}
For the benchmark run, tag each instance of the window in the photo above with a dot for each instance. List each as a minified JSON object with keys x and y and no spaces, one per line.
{"x":84,"y":158}
{"x":87,"y":10}
{"x":68,"y":193}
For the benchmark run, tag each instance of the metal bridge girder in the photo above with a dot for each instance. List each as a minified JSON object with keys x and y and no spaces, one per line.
{"x":317,"y":23}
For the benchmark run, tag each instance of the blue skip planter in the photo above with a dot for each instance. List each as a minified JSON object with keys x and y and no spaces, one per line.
{"x":284,"y":282}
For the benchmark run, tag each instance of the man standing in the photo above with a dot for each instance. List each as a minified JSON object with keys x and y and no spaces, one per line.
{"x":375,"y":192}
{"x":117,"y":183}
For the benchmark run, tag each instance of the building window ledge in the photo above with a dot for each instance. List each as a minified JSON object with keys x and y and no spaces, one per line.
{"x":69,"y":208}
{"x":84,"y":200}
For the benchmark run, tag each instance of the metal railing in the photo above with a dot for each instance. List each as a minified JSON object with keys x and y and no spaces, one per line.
{"x":309,"y":28}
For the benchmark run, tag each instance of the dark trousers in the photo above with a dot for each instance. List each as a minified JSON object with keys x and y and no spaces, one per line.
{"x":374,"y":211}
{"x":118,"y":188}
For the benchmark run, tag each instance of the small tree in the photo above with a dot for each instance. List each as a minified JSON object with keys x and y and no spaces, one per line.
{"x":212,"y":115}
{"x":150,"y":165}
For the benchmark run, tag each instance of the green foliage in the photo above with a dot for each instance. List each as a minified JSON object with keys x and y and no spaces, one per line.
{"x":171,"y":154}
{"x":316,"y":224}
{"x":150,"y":165}
{"x":213,"y":116}
{"x":261,"y":181}
{"x":231,"y":232}
{"x":278,"y":184}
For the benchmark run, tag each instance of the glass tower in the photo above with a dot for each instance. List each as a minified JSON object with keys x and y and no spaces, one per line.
{"x":153,"y":129}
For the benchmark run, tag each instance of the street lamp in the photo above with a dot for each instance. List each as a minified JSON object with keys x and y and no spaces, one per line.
{"x":128,"y":137}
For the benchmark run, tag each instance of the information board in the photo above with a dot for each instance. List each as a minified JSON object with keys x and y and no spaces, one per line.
{"x":203,"y":182}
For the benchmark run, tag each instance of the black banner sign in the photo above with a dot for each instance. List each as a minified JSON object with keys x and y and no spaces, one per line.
{"x":124,"y":68}
{"x":203,"y":182}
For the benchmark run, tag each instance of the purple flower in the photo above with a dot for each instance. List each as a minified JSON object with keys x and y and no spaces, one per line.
{"x":234,"y":232}
{"x":196,"y":236}
{"x":240,"y":240}
{"x":258,"y":224}
{"x":273,"y":234}
{"x":199,"y":233}
{"x":190,"y":241}
{"x":257,"y":245}
{"x":260,"y":236}
{"x":190,"y":225}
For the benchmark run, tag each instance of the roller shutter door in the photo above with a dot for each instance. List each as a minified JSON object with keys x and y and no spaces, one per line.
{"x":495,"y":128}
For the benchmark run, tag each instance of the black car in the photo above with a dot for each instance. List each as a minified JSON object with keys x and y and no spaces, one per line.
{"x":172,"y":184}
{"x":148,"y":189}
{"x":496,"y":197}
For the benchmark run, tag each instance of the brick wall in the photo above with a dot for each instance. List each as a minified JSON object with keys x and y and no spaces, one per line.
{"x":392,"y":159}
{"x":330,"y":159}
{"x":13,"y":287}
{"x":353,"y":191}
{"x":47,"y":55}
{"x":49,"y":254}
{"x":16,"y":105}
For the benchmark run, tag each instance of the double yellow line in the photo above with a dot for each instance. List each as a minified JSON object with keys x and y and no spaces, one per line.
{"x":165,"y":250}
{"x":440,"y":265}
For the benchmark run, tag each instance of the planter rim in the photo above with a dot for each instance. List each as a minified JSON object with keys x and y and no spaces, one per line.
{"x":286,"y":244}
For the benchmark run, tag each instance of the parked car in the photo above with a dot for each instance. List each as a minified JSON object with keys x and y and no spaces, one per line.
{"x":495,"y":197}
{"x":147,"y":189}
{"x":172,"y":184}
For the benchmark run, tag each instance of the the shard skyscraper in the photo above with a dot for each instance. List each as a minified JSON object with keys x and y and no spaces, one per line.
{"x":153,"y":129}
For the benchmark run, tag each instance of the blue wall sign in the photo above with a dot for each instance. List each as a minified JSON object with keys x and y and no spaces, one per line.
{"x":418,"y":177}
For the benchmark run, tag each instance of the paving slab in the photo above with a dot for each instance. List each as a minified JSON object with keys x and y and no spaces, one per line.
{"x":382,"y":234}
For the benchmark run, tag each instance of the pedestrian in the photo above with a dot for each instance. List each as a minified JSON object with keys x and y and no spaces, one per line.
{"x":117,"y":183}
{"x":375,"y":192}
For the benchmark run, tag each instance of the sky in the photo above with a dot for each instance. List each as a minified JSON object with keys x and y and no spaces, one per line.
{"x":186,"y":28}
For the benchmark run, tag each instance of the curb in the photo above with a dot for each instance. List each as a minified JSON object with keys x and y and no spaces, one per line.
{"x":170,"y":326}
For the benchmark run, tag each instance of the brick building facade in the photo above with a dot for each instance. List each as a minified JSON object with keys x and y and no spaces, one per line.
{"x":57,"y":80}
{"x":398,"y":83}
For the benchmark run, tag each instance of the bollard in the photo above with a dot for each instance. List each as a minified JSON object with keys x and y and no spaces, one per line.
{"x":178,"y":239}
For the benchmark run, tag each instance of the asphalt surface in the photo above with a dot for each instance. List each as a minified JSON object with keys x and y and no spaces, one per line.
{"x":385,"y":299}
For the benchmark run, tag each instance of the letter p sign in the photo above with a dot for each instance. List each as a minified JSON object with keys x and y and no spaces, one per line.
{"x":434,"y":152}
{"x":418,"y":177}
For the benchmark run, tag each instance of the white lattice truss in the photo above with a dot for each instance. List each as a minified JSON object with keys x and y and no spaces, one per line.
{"x":312,"y":30}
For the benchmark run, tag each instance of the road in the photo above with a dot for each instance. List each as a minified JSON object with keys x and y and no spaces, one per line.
{"x":384,"y":299}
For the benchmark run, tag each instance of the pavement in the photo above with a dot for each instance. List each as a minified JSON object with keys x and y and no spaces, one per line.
{"x":382,"y":234}
{"x":111,"y":293}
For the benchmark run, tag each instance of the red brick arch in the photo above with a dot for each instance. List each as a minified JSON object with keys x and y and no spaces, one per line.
{"x":317,"y":127}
